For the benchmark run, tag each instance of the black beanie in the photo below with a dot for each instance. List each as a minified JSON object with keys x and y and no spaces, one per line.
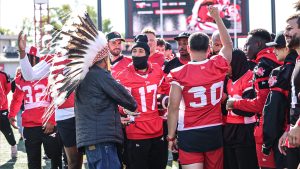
{"x":142,"y":42}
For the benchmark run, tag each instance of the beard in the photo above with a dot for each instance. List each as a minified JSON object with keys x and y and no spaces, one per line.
{"x":294,"y":43}
{"x":215,"y":52}
{"x":115,"y":52}
{"x":185,"y":56}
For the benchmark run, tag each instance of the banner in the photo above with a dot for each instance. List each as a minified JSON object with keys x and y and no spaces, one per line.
{"x":184,"y":15}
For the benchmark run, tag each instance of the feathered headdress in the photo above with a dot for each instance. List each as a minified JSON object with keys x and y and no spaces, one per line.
{"x":79,"y":46}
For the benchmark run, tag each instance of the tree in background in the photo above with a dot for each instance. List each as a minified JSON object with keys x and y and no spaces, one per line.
{"x":106,"y":26}
{"x":4,"y":31}
{"x":57,"y":18}
{"x":93,"y":14}
{"x":59,"y":15}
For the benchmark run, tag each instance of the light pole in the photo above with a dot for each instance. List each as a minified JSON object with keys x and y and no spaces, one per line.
{"x":161,"y":19}
{"x":99,"y":16}
{"x":235,"y":26}
{"x":40,"y":28}
{"x":273,"y":16}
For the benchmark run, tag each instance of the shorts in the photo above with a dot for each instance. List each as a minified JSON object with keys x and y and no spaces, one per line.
{"x":67,"y":131}
{"x":212,"y":159}
{"x":263,"y":160}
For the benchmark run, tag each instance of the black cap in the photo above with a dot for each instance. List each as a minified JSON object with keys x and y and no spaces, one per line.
{"x":112,"y":36}
{"x":168,"y":46}
{"x":182,"y":35}
{"x":279,"y":41}
{"x":141,"y":41}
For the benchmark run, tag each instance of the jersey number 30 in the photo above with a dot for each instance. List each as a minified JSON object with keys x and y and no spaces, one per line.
{"x":200,"y":92}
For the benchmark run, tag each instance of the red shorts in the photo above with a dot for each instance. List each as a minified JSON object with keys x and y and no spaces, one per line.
{"x":211,"y":160}
{"x":263,"y":160}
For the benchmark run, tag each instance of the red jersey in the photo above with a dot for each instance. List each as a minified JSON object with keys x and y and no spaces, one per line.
{"x":69,"y":102}
{"x":157,"y":58}
{"x":201,"y":95}
{"x":36,"y":101}
{"x":2,"y":95}
{"x":4,"y":90}
{"x":235,"y":90}
{"x":119,"y":64}
{"x":266,"y":61}
{"x":143,"y":87}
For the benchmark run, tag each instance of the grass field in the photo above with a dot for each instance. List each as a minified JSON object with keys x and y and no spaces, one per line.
{"x":21,"y":162}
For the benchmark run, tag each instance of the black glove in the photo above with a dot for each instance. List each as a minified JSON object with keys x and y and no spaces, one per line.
{"x":266,"y":151}
{"x":162,"y":101}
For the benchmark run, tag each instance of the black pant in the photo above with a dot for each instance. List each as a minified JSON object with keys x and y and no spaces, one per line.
{"x":122,"y":151}
{"x":34,"y":138}
{"x":293,"y":158}
{"x":6,"y":128}
{"x":280,"y":159}
{"x":146,"y":154}
{"x":240,"y":158}
{"x":166,"y":143}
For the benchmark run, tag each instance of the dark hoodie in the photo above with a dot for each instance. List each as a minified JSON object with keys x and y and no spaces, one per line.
{"x":278,"y":102}
{"x":239,"y":134}
{"x":239,"y":66}
{"x":295,"y":105}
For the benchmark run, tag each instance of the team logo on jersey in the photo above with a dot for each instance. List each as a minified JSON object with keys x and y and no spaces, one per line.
{"x":259,"y":71}
{"x":272,"y":81}
{"x":53,"y":135}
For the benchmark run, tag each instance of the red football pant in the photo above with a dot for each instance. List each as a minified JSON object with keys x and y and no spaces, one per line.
{"x":211,"y":160}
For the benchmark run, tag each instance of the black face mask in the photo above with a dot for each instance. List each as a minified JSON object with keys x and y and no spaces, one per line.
{"x":140,"y":62}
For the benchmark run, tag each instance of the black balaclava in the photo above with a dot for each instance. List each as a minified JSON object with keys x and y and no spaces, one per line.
{"x":239,"y":64}
{"x":138,"y":61}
